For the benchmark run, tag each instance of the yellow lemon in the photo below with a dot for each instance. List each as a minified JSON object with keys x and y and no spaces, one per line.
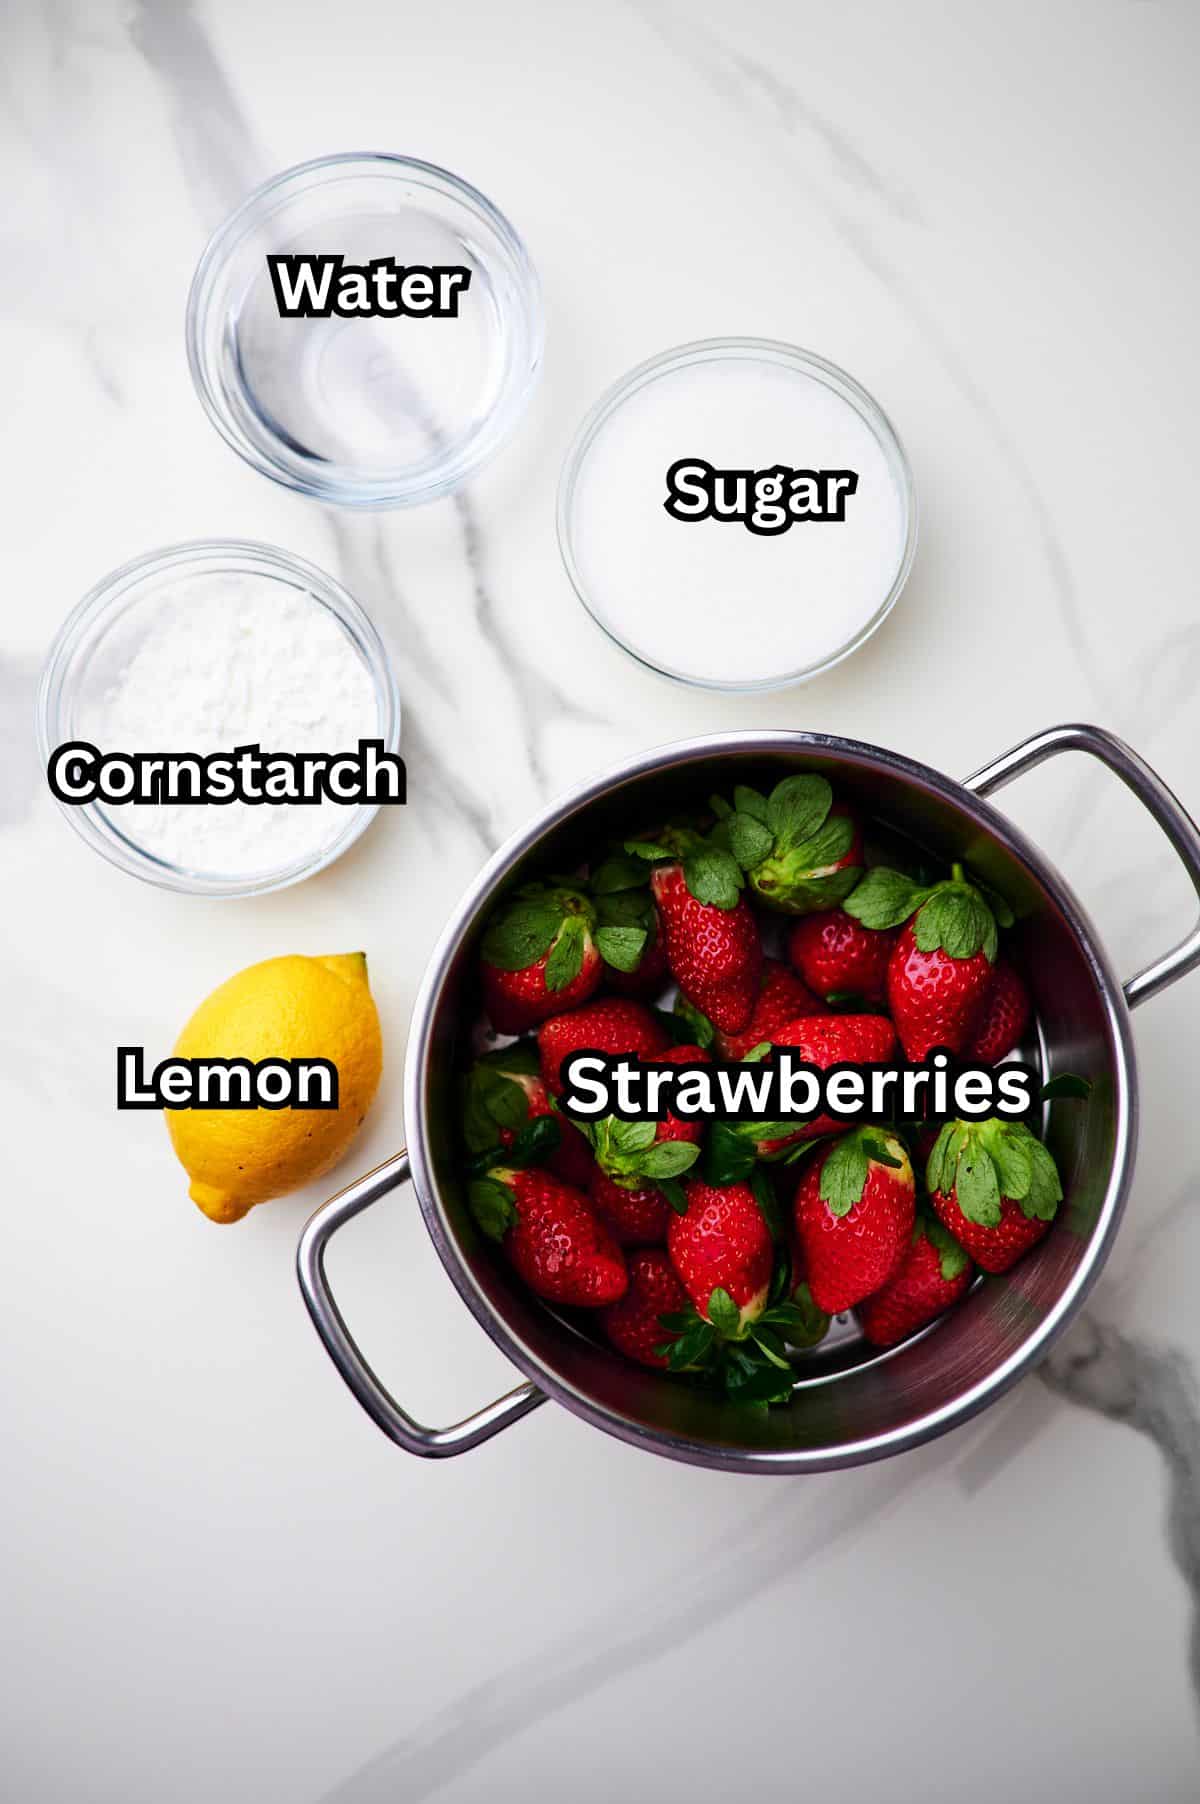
{"x":283,"y":1008}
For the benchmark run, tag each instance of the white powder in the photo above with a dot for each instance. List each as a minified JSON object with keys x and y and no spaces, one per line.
{"x":707,"y":599}
{"x":228,"y":661}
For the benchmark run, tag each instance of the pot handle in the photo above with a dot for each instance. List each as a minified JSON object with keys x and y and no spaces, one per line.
{"x":384,"y":1411}
{"x":1154,"y":795}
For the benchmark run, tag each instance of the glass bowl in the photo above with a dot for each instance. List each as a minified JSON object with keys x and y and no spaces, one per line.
{"x":97,"y":640}
{"x":365,"y":412}
{"x":649,"y":586}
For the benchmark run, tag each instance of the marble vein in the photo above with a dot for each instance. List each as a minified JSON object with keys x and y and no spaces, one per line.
{"x":774,"y":1547}
{"x":1153,"y":1391}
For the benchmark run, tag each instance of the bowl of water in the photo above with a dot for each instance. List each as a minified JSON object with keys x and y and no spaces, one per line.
{"x":365,"y":329}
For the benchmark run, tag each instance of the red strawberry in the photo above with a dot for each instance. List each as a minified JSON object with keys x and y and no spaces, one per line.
{"x":781,"y":997}
{"x":826,"y":1040}
{"x":854,"y":1211}
{"x":632,"y":1325}
{"x":934,"y":1273}
{"x":634,"y":1217}
{"x":940,"y":969}
{"x":1003,"y":1017}
{"x":801,"y":851}
{"x":539,"y":956}
{"x":722,"y":1243}
{"x":713,"y":949}
{"x":616,"y":1026}
{"x":552,"y":1236}
{"x":995,"y":1187}
{"x":837,"y":955}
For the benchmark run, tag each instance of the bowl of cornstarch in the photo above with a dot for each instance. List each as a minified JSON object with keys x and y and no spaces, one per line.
{"x":220,"y":718}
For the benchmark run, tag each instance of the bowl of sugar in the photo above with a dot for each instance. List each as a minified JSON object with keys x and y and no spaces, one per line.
{"x":737,"y":514}
{"x":197,"y":652}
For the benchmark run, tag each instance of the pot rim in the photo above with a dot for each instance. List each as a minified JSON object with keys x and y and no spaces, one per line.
{"x":935,"y":1422}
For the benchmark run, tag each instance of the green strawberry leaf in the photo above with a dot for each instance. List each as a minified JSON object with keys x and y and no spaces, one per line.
{"x":626,"y":1137}
{"x":617,"y":874}
{"x":535,"y":1142}
{"x":620,"y":947}
{"x":645,"y":848}
{"x":797,"y":807}
{"x":749,"y":841}
{"x":996,"y":902}
{"x":676,"y":1320}
{"x":701,"y":1027}
{"x":750,"y":801}
{"x":770,"y":1344}
{"x":1045,"y":1189}
{"x":877,"y":1150}
{"x":724,"y":1313}
{"x":675,"y":1194}
{"x":713,"y":876}
{"x":566,"y":954}
{"x":755,"y":1381}
{"x":692,"y":1346}
{"x":491,"y":1102}
{"x":826,"y":847}
{"x":667,"y":1159}
{"x":939,"y":1168}
{"x":844,"y":1174}
{"x":957,"y":921}
{"x":1066,"y":1085}
{"x":1012,"y":1157}
{"x":728,"y":1157}
{"x":756,"y":1054}
{"x":491,"y":1203}
{"x":522,"y":933}
{"x":884,"y":898}
{"x":720,"y":807}
{"x":951,"y":1258}
{"x":977,"y":1185}
{"x":804,"y":1324}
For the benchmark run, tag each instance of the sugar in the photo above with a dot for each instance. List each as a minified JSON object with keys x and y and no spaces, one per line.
{"x":708,"y":600}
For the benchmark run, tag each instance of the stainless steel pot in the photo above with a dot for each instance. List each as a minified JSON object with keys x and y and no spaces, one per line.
{"x":852,"y":1404}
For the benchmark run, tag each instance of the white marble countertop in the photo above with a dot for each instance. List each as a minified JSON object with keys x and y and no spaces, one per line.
{"x":219,"y":1579}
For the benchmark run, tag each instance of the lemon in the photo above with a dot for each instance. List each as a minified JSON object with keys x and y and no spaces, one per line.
{"x":284,"y":1008}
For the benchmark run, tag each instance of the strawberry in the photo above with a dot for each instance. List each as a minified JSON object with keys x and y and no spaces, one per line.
{"x":995,"y":1187}
{"x":539,"y":956}
{"x":722,"y":1250}
{"x":837,"y":956}
{"x":552,"y":1236}
{"x":940,"y":969}
{"x":1003,"y":1017}
{"x":934,"y":1273}
{"x":636,"y":1217}
{"x":713,"y":950}
{"x":854,"y":1211}
{"x":614,"y":1026}
{"x":711,"y":938}
{"x":801,"y":851}
{"x":826,"y":1040}
{"x":633,"y":1325}
{"x":632,"y":1153}
{"x":781,"y":998}
{"x":503,"y":1092}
